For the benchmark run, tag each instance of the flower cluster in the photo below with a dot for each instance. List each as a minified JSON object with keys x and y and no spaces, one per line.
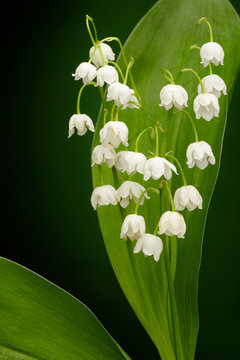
{"x":100,"y":71}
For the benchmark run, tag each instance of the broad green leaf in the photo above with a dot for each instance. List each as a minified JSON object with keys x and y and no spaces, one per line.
{"x":161,"y":41}
{"x":40,"y":321}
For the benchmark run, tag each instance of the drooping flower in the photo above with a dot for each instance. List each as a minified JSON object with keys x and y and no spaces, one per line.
{"x":206,"y":106}
{"x":103,"y":153}
{"x":187,"y":197}
{"x":115,"y":133}
{"x":211,"y":52}
{"x":172,"y":223}
{"x":150,"y":245}
{"x":85,"y":71}
{"x":108,"y":54}
{"x":213,"y":84}
{"x":120,"y":93}
{"x":106,"y":74}
{"x":104,"y":195}
{"x":133,"y":102}
{"x":130,"y":161}
{"x":173,"y":95}
{"x":131,"y":190}
{"x":200,"y":154}
{"x":133,"y":227}
{"x":81,"y":122}
{"x":157,"y":167}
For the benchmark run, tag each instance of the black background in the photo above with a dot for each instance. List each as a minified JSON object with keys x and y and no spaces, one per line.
{"x":48,"y":223}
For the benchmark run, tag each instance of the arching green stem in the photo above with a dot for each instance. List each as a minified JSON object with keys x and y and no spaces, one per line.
{"x":203,"y":19}
{"x":126,"y":63}
{"x":157,"y":141}
{"x":105,"y":116}
{"x":112,"y":111}
{"x":156,"y":191}
{"x":197,"y":76}
{"x":180,"y":168}
{"x":140,"y":135}
{"x":170,"y":77}
{"x":192,"y":123}
{"x":130,"y":64}
{"x":79,"y":97}
{"x":195,"y":47}
{"x":117,"y":112}
{"x":169,"y":194}
{"x":94,"y":41}
{"x":90,"y":59}
{"x":101,"y":53}
{"x":118,"y":68}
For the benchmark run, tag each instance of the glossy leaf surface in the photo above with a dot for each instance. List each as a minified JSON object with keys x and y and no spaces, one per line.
{"x":40,"y":321}
{"x":161,"y":41}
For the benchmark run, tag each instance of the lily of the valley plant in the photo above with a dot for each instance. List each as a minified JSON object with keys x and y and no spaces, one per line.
{"x":119,"y":93}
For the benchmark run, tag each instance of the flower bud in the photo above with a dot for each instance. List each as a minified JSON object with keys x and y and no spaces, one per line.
{"x":131,"y":190}
{"x":173,"y":95}
{"x":106,"y":74}
{"x":187,"y":197}
{"x":130,"y":161}
{"x":107,"y":52}
{"x":133,"y":227}
{"x":211,"y":52}
{"x":172,"y":223}
{"x":213,"y":84}
{"x":85,"y":71}
{"x":103,"y":153}
{"x":200,"y":154}
{"x":206,"y":106}
{"x":115,"y":133}
{"x":104,"y":195}
{"x":81,"y":122}
{"x":150,"y":245}
{"x":157,"y":167}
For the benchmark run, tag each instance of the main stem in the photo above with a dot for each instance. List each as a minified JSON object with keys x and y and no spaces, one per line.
{"x":173,"y":305}
{"x":126,"y":63}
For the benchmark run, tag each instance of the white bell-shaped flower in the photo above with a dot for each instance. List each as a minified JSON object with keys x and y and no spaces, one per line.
{"x":150,"y":245}
{"x":211,"y":52}
{"x":85,"y":71}
{"x":213,"y":84}
{"x":104,"y":195}
{"x":200,"y":154}
{"x":173,"y":95}
{"x":106,"y":74}
{"x":133,"y":102}
{"x":130,"y":161}
{"x":172,"y":223}
{"x":103,"y":153}
{"x":120,"y":93}
{"x":133,"y":227}
{"x":206,"y":106}
{"x":187,"y":197}
{"x":131,"y":190}
{"x":108,"y":54}
{"x":81,"y":122}
{"x":157,"y":167}
{"x":115,"y":133}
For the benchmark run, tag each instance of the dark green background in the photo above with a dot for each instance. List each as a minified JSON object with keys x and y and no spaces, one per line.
{"x":49,"y":225}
